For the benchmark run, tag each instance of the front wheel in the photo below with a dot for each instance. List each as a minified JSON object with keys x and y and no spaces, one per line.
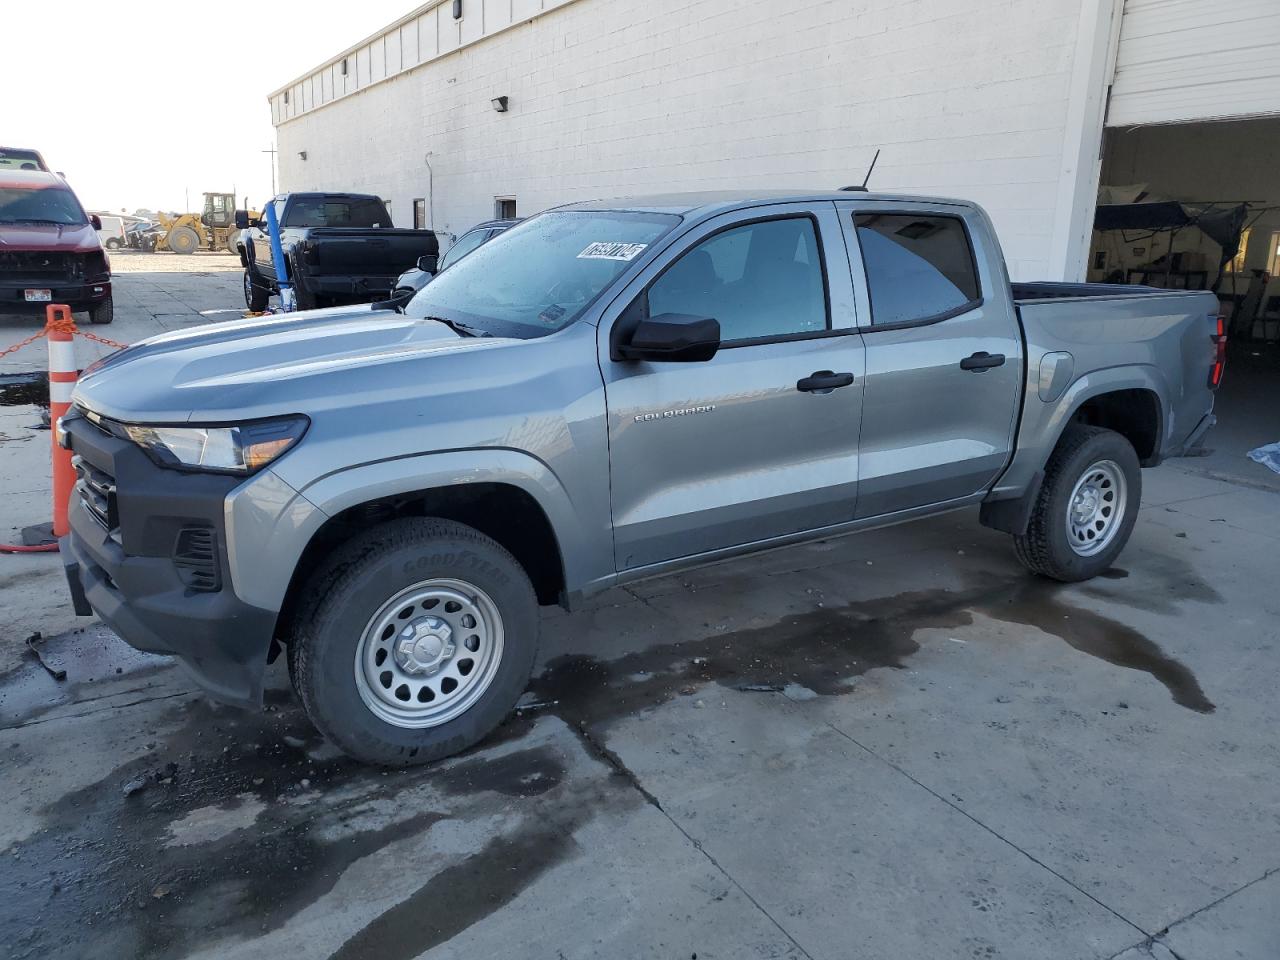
{"x":256,"y":297}
{"x":1086,"y":508}
{"x":414,"y":641}
{"x":104,"y":312}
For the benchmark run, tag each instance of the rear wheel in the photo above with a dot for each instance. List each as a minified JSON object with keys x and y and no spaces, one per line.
{"x":183,"y":240}
{"x":414,"y":641}
{"x":1086,"y":508}
{"x":256,"y":297}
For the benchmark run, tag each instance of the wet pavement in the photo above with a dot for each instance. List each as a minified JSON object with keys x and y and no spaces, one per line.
{"x":892,"y":745}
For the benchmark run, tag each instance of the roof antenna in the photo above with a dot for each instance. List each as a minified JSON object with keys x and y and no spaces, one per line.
{"x":862,"y":187}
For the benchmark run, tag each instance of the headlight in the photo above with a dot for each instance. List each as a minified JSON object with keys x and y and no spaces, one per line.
{"x":241,"y":448}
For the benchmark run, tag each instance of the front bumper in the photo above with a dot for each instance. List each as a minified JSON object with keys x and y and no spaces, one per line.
{"x":78,"y":296}
{"x":127,"y":566}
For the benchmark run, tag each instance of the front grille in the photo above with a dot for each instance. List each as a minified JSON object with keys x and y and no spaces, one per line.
{"x":38,"y":265}
{"x":97,"y":493}
{"x":195,"y":554}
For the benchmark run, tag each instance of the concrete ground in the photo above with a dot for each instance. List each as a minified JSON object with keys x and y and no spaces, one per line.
{"x":895,"y":745}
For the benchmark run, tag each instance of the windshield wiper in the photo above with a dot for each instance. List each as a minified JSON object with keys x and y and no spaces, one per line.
{"x":461,"y":329}
{"x":60,"y":223}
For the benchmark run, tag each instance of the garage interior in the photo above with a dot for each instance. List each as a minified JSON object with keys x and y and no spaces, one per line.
{"x":1224,"y":177}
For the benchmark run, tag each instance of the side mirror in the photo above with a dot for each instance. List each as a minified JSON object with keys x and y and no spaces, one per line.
{"x":95,"y":221}
{"x":673,"y":337}
{"x":242,"y":219}
{"x":429,"y":262}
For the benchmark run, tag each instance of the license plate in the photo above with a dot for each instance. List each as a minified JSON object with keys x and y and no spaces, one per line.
{"x":38,"y":296}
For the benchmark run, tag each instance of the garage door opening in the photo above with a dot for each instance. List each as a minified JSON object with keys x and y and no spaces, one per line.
{"x":1197,"y":206}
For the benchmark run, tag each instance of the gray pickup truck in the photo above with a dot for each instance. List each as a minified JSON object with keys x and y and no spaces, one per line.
{"x":607,"y":391}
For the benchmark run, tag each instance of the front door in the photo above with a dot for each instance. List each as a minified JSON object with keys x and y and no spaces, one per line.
{"x":762,"y":440}
{"x":262,"y":260}
{"x":944,"y":354}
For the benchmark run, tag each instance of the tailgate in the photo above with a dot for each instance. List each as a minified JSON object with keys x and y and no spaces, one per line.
{"x":339,"y":252}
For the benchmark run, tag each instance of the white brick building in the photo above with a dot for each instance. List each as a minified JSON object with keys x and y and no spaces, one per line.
{"x":1000,"y":101}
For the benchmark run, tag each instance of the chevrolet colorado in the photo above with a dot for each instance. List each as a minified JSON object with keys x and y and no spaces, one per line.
{"x":604,"y":392}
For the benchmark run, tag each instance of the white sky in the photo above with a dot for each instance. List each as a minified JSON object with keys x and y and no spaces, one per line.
{"x":137,"y":101}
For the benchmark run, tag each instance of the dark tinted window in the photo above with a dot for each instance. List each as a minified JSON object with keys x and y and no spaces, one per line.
{"x":759,"y":280}
{"x":325,"y":212}
{"x":48,"y":205}
{"x":917,"y":266}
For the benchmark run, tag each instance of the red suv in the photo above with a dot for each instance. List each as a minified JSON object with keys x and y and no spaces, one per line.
{"x":49,"y":248}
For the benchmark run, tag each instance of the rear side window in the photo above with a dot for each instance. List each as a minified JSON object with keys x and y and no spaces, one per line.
{"x":919,"y":268}
{"x":759,"y":280}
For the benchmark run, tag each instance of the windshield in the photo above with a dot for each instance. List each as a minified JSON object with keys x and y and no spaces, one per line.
{"x":329,"y":212}
{"x":539,"y":276}
{"x":47,"y":205}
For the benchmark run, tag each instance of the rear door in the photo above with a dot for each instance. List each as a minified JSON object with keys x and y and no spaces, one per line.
{"x":944,"y":353}
{"x":747,"y":446}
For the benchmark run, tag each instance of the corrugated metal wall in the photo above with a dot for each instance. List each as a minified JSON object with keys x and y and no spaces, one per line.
{"x":1196,"y":60}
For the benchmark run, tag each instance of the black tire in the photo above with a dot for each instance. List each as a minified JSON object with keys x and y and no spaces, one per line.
{"x":256,"y":296}
{"x":355,"y":585}
{"x":103,"y":312}
{"x":1046,"y":548}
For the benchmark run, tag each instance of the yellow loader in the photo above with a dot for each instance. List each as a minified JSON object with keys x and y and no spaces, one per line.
{"x":214,"y":229}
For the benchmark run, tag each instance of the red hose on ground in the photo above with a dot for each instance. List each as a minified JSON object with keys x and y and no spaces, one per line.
{"x":14,"y":548}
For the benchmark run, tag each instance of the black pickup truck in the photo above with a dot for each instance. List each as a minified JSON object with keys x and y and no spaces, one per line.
{"x":338,"y":248}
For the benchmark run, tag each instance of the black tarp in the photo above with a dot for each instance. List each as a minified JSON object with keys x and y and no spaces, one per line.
{"x":1221,"y":224}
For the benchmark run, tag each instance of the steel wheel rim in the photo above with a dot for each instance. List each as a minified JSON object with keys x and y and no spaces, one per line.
{"x":248,"y":289}
{"x":1096,"y":508}
{"x":429,"y":653}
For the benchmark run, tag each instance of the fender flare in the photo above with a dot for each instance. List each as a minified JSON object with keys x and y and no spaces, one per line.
{"x":1009,"y":505}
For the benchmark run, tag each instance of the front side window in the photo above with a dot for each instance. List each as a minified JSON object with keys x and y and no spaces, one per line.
{"x":762,"y":279}
{"x":539,"y":276}
{"x":464,"y":245}
{"x":327,"y":212}
{"x":919,"y":267}
{"x":48,"y":205}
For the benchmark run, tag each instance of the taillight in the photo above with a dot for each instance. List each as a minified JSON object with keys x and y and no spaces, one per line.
{"x":1219,"y":352}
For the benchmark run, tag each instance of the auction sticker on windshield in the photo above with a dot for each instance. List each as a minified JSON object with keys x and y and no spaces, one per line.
{"x":604,"y":250}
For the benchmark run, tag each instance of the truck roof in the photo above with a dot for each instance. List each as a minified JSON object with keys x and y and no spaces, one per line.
{"x":712,"y":201}
{"x":30,"y":179}
{"x":328,"y":193}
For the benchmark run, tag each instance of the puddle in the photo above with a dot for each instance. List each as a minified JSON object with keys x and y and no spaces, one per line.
{"x":105,"y":877}
{"x":825,"y":649}
{"x":460,"y":895}
{"x":24,"y":389}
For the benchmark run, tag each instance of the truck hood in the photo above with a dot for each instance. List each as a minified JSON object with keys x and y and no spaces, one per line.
{"x":284,"y":363}
{"x":71,"y":238}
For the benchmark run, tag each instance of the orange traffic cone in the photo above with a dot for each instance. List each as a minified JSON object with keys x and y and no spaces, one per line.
{"x":60,"y":332}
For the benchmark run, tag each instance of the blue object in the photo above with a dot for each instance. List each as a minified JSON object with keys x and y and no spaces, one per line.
{"x":288,"y":300}
{"x":1268,"y":456}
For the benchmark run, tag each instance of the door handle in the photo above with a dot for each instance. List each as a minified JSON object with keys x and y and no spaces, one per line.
{"x":823,"y":381}
{"x":981,"y":361}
